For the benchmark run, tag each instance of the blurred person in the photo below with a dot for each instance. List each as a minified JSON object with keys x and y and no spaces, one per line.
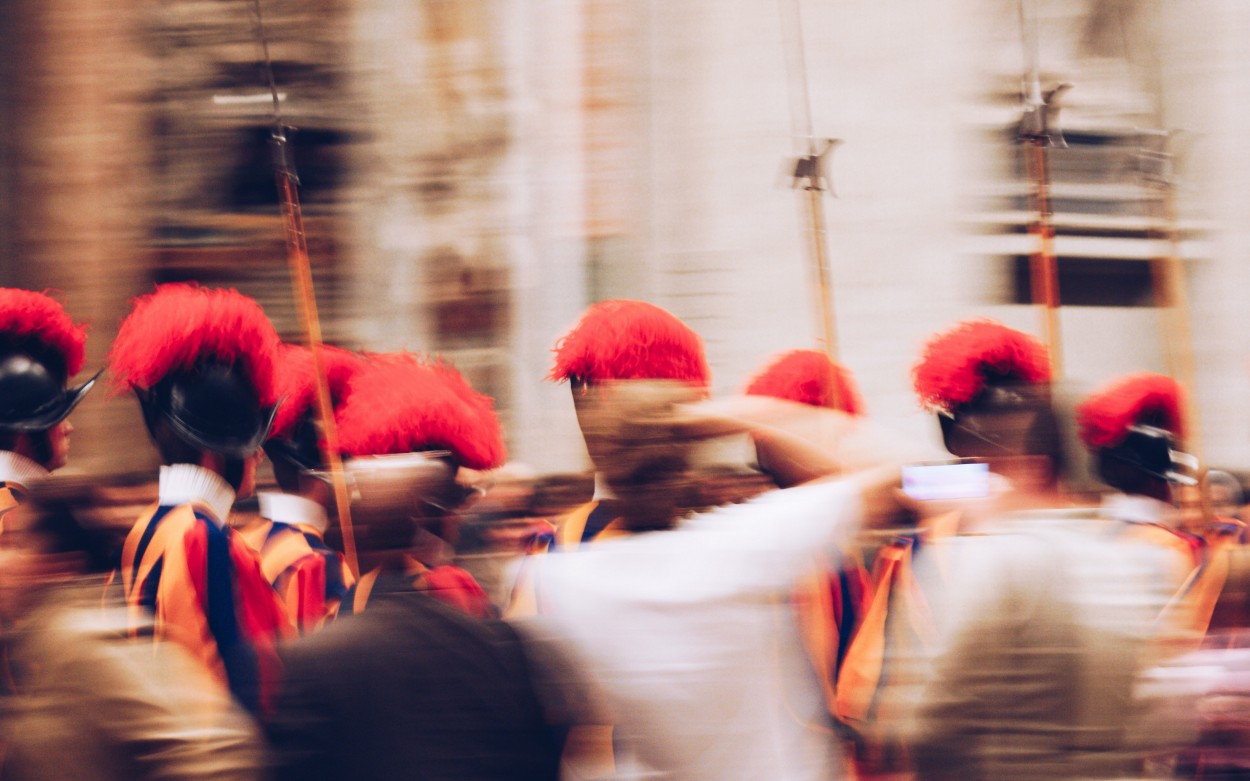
{"x":1038,"y":620}
{"x":1224,"y":497}
{"x":90,"y":702}
{"x":201,"y":363}
{"x":41,"y":347}
{"x":309,"y":576}
{"x":989,"y":386}
{"x":831,"y":601}
{"x":405,"y":404}
{"x":410,"y":688}
{"x":1130,"y":427}
{"x":681,"y":628}
{"x":619,"y":340}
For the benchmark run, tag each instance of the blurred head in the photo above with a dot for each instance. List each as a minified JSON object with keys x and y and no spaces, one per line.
{"x":627,"y":340}
{"x":202,"y":364}
{"x":41,"y":348}
{"x":1224,"y":493}
{"x":1131,"y":426}
{"x":641,"y":445}
{"x":1012,"y":427}
{"x":294,"y":446}
{"x":49,"y":448}
{"x":808,"y":377}
{"x":990,"y":387}
{"x":396,"y":496}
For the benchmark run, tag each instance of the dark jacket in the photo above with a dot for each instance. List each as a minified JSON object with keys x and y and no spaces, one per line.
{"x":409,"y":689}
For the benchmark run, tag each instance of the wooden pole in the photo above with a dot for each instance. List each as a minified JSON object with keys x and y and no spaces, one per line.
{"x":1043,"y":266}
{"x":306,"y":301}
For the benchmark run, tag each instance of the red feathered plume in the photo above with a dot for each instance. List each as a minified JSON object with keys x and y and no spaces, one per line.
{"x":630,"y":340}
{"x":808,"y":377}
{"x":296,"y":383}
{"x":1150,"y":399}
{"x":179,"y":326}
{"x":27,"y":315}
{"x":402,"y":404}
{"x":957,"y":364}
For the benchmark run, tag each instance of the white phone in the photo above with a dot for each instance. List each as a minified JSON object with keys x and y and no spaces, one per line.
{"x":947,"y":480}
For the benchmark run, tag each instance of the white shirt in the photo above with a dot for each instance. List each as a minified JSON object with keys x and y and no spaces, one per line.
{"x":690,"y":635}
{"x":186,"y":483}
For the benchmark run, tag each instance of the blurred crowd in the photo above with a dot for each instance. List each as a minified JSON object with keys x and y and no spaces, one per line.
{"x":403,"y":602}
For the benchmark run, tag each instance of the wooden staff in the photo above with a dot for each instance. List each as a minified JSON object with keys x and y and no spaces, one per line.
{"x":1043,"y":265}
{"x":1167,"y":271}
{"x":1038,"y":132}
{"x":809,"y":175}
{"x":306,"y":301}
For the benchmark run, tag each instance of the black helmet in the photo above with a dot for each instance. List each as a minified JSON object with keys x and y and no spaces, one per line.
{"x":214,"y":407}
{"x":33,"y":396}
{"x":1150,"y":450}
{"x":301,"y":449}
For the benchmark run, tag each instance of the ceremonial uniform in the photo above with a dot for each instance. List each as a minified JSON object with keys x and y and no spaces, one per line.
{"x":310,"y":578}
{"x":974,"y":376}
{"x":201,"y":363}
{"x":831,"y":599}
{"x":17,"y":472}
{"x":203,"y":584}
{"x":1130,"y":426}
{"x":40,"y":349}
{"x":449,"y":584}
{"x":402,"y":404}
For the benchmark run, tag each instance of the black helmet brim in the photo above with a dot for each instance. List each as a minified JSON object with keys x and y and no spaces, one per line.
{"x":52,"y":413}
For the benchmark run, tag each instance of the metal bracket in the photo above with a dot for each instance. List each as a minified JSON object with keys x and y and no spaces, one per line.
{"x":810,"y":171}
{"x":1040,"y":121}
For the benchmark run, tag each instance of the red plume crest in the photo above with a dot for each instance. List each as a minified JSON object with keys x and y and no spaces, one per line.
{"x":1104,"y":417}
{"x":25,"y":314}
{"x":957,"y":364}
{"x":808,"y":377}
{"x":403,"y":404}
{"x":179,"y":325}
{"x":630,"y":340}
{"x":296,"y":382}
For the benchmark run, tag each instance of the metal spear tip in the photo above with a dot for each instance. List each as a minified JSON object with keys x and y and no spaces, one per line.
{"x":1040,"y":121}
{"x":810,"y":170}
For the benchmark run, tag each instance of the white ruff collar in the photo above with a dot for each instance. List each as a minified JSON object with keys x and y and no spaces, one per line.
{"x":185,"y":483}
{"x":18,"y":469}
{"x":292,"y":509}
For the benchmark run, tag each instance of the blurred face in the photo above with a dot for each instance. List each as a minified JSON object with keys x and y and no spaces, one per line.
{"x":633,"y":442}
{"x":247,"y":485}
{"x":58,"y":444}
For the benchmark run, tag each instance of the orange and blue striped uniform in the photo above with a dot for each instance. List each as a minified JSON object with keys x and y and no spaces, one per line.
{"x":309,"y":576}
{"x":16,"y":473}
{"x":205,"y":588}
{"x":11,"y":496}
